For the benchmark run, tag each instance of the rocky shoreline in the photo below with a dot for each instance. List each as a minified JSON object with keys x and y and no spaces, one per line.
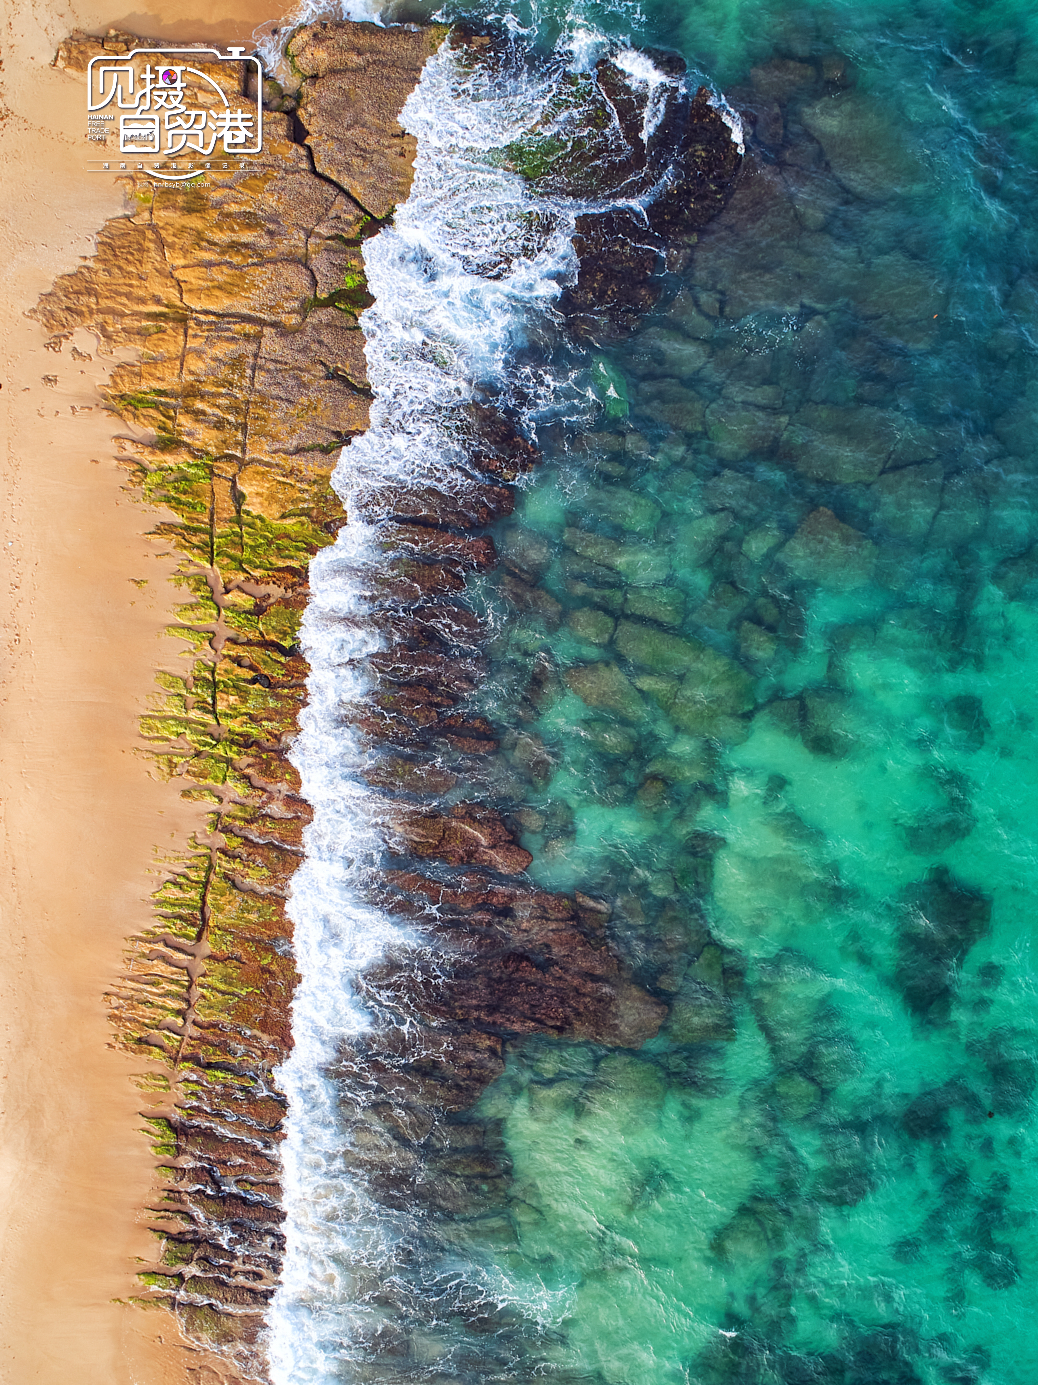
{"x":243,"y":302}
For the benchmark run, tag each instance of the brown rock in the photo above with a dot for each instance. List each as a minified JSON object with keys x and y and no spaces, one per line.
{"x":475,"y":554}
{"x":456,"y":676}
{"x":405,"y":580}
{"x":410,"y":776}
{"x":127,"y":284}
{"x":826,"y":551}
{"x":275,"y":293}
{"x":208,"y":385}
{"x":451,"y":627}
{"x":475,"y":736}
{"x":469,"y":835}
{"x":703,"y":175}
{"x":74,"y":53}
{"x":468,"y":510}
{"x":364,"y":74}
{"x":311,"y":387}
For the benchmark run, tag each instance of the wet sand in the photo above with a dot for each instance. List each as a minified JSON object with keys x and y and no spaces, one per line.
{"x":82,"y":822}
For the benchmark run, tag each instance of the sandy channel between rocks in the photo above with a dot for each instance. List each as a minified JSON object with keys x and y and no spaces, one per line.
{"x":82,"y":821}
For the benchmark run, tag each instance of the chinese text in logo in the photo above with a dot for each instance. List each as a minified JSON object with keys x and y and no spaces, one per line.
{"x":167,"y":107}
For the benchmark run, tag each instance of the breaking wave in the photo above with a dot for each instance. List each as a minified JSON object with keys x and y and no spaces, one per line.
{"x":466,"y":281}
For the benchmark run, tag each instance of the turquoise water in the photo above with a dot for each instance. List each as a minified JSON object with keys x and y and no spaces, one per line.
{"x":763,"y":665}
{"x":790,"y":718}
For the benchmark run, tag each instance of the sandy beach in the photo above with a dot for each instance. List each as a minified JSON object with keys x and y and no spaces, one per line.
{"x":83,"y":824}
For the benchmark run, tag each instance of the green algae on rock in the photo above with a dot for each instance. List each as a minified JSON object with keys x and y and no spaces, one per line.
{"x":241,"y":301}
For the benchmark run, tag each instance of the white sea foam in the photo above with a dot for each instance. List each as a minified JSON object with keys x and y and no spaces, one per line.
{"x":732,"y":119}
{"x":643,"y":73}
{"x":440,"y":331}
{"x":464,"y":281}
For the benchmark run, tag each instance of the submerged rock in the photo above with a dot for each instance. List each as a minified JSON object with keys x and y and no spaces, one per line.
{"x":624,"y":508}
{"x":737,"y":431}
{"x":673,"y":403}
{"x":664,"y":605}
{"x":605,"y":687}
{"x":829,"y":552}
{"x":828,"y":443}
{"x":865,"y":149}
{"x":714,"y":690}
{"x":700,"y":1015}
{"x":640,"y":564}
{"x":592,"y":625}
{"x":949,"y":820}
{"x":671,"y":353}
{"x":942,"y":918}
{"x":908,"y":500}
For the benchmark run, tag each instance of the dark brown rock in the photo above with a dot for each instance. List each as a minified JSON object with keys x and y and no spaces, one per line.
{"x":618,"y":279}
{"x":537,"y":964}
{"x":469,"y":510}
{"x":705,"y":167}
{"x":469,"y":835}
{"x":474,"y":554}
{"x":495,"y":443}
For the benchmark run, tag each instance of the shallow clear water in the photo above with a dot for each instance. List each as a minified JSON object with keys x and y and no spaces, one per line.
{"x":791,"y":741}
